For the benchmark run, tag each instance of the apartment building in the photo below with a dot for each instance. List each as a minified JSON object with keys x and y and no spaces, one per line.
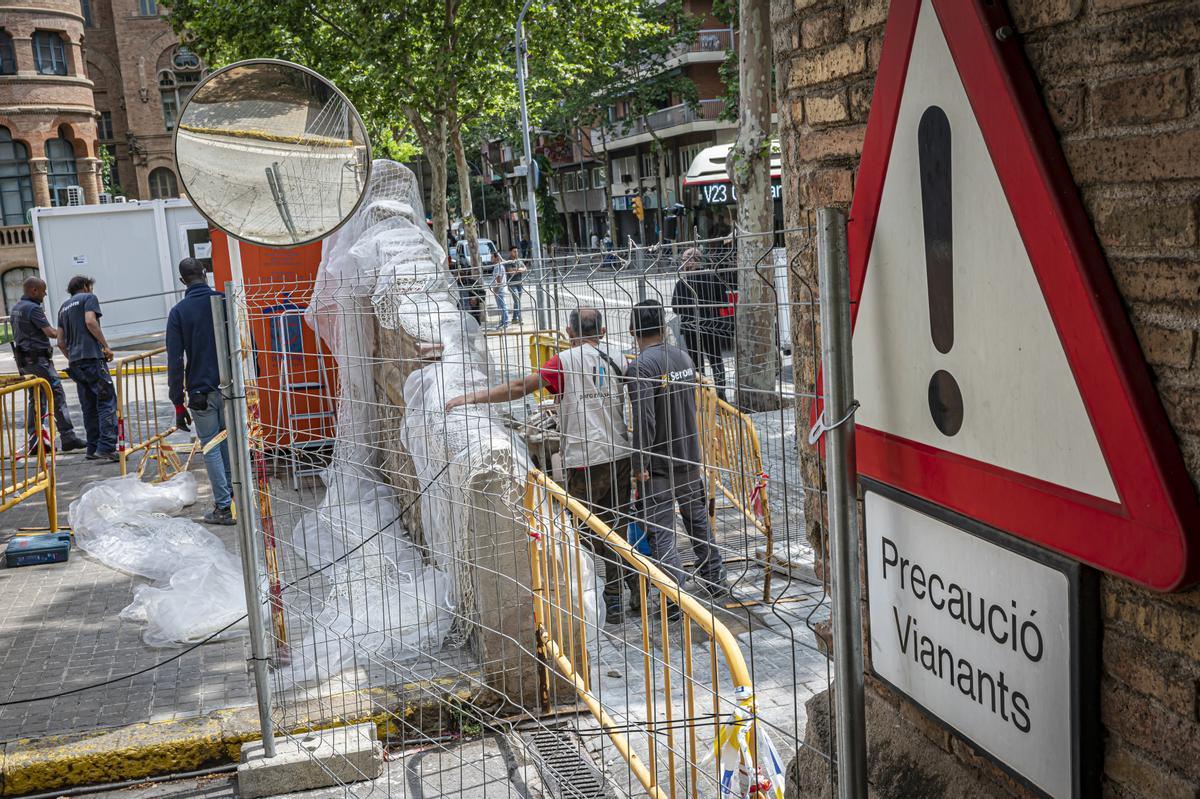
{"x":78,"y":77}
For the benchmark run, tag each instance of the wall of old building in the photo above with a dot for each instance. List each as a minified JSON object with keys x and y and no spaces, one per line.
{"x":1121,"y":81}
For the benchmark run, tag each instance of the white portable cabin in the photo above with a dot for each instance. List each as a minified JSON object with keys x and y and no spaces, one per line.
{"x":132,"y":249}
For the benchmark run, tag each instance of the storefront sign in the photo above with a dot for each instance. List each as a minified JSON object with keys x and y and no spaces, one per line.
{"x":987,"y":634}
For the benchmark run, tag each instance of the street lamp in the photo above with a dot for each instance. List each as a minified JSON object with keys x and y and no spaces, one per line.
{"x":535,"y":238}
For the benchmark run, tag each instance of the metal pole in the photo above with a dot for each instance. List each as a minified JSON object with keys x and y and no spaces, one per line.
{"x":535,"y":237}
{"x":229,"y":363}
{"x":841,"y":476}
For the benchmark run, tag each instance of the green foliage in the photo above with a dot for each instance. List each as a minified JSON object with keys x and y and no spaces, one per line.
{"x":108,"y":172}
{"x":552,"y":224}
{"x":487,"y":201}
{"x":638,"y":73}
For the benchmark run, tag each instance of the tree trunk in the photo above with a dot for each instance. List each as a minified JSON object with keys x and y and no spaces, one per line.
{"x":432,"y":137}
{"x":465,"y":201}
{"x":562,"y":199}
{"x":756,"y":345}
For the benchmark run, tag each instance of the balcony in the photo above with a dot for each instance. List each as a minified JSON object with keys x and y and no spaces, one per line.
{"x":709,"y":45}
{"x":705,"y":115}
{"x":16,"y":236}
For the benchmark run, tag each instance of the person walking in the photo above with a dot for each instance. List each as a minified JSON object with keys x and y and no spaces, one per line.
{"x":472,"y":298}
{"x":193,"y":376}
{"x":701,"y":300}
{"x":515,"y":271}
{"x":32,"y":332}
{"x":82,"y":340}
{"x":666,"y":454}
{"x":498,"y":284}
{"x":586,"y":382}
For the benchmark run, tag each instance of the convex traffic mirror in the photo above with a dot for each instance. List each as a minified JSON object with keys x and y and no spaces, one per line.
{"x":272,"y":153}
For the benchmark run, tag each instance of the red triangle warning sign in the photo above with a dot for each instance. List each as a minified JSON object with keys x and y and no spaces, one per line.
{"x":997,"y":373}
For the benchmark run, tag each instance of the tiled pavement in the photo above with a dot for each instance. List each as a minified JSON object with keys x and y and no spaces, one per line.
{"x":59,"y":631}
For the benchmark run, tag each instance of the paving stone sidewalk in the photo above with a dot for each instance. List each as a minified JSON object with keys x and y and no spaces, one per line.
{"x":60,"y":630}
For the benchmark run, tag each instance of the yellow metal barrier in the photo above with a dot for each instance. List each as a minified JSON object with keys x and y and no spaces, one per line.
{"x":140,"y":427}
{"x":556,"y":550}
{"x":544,"y":345}
{"x":733,"y":463}
{"x":27,"y":472}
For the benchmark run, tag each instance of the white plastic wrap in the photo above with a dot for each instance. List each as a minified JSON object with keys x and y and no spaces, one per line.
{"x":197,"y":588}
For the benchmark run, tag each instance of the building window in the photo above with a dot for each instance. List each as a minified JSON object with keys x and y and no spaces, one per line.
{"x":62,"y":172}
{"x":104,"y":130}
{"x":175,"y":84}
{"x":147,"y":8}
{"x":85,"y":6}
{"x":687,"y":155}
{"x":598,"y":177}
{"x":8,"y":58}
{"x":649,"y":165}
{"x":13,"y":281}
{"x":49,"y":55}
{"x":163,"y":184}
{"x":16,"y":186}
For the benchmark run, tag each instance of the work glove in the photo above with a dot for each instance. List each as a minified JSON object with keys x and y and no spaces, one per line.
{"x":182,"y":418}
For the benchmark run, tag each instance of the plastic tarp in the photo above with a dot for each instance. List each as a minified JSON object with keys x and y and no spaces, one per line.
{"x":386,"y":601}
{"x":196,"y":586}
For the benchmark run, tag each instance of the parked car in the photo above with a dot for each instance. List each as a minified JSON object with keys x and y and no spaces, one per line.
{"x":487,"y":252}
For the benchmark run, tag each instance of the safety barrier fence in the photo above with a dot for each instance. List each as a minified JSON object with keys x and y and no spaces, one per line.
{"x":27,"y":450}
{"x":734,"y":467}
{"x":436,"y":576}
{"x":679,"y":765}
{"x":145,"y":417}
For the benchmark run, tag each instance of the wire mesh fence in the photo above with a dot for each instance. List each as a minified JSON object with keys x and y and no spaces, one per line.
{"x":555,"y":531}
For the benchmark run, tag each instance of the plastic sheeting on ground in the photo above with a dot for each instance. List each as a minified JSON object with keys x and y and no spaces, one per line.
{"x":130,"y":526}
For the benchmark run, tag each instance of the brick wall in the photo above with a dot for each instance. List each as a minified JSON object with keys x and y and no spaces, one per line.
{"x":1121,"y":80}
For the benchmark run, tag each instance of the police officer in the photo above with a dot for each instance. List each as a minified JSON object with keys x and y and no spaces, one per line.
{"x":193,"y":374}
{"x":82,"y":341}
{"x":31,"y":343}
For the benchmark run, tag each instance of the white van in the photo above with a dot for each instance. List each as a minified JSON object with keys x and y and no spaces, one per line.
{"x":488,"y":254}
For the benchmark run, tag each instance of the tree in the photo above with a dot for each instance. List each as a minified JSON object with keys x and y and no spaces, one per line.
{"x":640,"y":77}
{"x":423,"y":69}
{"x":756,"y":340}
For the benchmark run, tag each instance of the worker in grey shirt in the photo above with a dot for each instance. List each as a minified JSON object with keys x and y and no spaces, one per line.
{"x":666,"y":452}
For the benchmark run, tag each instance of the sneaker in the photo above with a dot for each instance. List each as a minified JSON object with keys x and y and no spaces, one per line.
{"x":91,"y":456}
{"x":72,"y":444}
{"x":715,"y":590}
{"x":111,"y":457}
{"x":219,"y":516}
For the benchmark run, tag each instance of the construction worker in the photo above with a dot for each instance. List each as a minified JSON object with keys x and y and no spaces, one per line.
{"x":585,"y":379}
{"x":82,"y":340}
{"x":666,"y":453}
{"x":192,"y":374}
{"x":31,"y":345}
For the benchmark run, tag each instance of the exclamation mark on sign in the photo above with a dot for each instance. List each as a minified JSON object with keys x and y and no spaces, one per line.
{"x":933,"y":148}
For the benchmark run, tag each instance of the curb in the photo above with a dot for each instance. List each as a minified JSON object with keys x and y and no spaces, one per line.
{"x":153,"y":749}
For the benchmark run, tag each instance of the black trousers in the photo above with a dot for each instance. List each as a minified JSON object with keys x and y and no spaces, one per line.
{"x":605,"y":488}
{"x":702,"y":346}
{"x":42,"y":366}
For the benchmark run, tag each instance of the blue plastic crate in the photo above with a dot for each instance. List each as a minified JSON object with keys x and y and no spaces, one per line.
{"x":30,"y":550}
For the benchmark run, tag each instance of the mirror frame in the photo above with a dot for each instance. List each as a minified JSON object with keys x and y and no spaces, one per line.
{"x":276,"y":62}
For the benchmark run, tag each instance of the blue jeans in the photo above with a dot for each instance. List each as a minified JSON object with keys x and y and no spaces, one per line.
{"x":515,"y":290}
{"x":503,"y":308}
{"x":97,"y":403}
{"x":209,"y":422}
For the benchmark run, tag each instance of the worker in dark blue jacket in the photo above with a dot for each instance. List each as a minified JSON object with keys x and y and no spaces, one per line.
{"x":193,"y":376}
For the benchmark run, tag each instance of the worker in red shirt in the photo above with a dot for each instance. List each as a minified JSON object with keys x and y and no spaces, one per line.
{"x":586,"y":380}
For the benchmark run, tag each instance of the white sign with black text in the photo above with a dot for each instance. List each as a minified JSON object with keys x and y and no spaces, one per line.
{"x":977,"y":634}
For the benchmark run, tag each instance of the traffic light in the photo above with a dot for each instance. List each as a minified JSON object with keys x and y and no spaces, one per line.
{"x":638,"y":210}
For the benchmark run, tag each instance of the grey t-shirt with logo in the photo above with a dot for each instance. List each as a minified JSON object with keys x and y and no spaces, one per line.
{"x":662,"y":392}
{"x":80,"y":342}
